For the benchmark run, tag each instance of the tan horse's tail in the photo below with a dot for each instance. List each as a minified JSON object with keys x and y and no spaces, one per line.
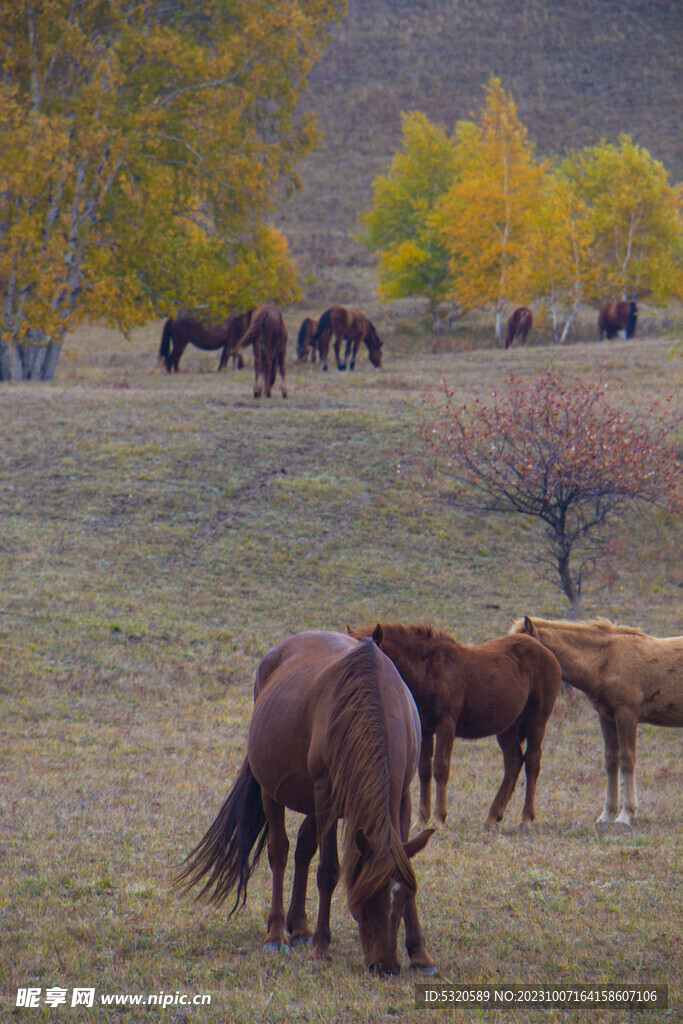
{"x":222,"y":856}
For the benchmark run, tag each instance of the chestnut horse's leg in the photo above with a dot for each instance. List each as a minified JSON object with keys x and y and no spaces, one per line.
{"x":535,"y":731}
{"x":258,"y":370}
{"x":513,"y":759}
{"x":307,"y":844}
{"x":354,"y":352}
{"x":278,"y":849}
{"x":627,"y":727}
{"x":424,"y":771}
{"x":324,"y":348}
{"x":338,"y":338}
{"x":415,"y":941}
{"x":609,"y":736}
{"x":176,"y":352}
{"x":280,"y":360}
{"x":327,"y":878}
{"x":445,"y":734}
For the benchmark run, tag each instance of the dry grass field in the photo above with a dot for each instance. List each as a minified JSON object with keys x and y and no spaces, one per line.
{"x":159,"y":534}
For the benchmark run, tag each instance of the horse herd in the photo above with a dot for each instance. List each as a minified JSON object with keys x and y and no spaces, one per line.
{"x":342,"y":721}
{"x":264,"y":329}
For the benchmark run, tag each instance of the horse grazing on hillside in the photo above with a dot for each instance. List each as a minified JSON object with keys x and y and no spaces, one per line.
{"x":334,"y":734}
{"x":236,"y":327}
{"x":630,"y":677}
{"x":304,"y":341}
{"x":267,"y":335}
{"x":497,"y":688}
{"x":350,"y":325}
{"x":519,"y":325}
{"x":179,"y":333}
{"x":618,"y":316}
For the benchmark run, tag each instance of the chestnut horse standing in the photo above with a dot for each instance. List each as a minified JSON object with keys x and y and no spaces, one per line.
{"x":350,"y":325}
{"x":497,"y":688}
{"x":334,"y":734}
{"x":630,"y":677}
{"x":519,"y":325}
{"x":304,"y":341}
{"x":267,"y":335}
{"x":618,"y":316}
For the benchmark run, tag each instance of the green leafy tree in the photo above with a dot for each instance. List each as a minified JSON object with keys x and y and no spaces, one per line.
{"x":399,"y":225}
{"x":142,"y":146}
{"x":559,"y":241}
{"x":636,"y":222}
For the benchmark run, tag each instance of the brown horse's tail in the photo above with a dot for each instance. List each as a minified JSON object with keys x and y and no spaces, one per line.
{"x":165,"y":347}
{"x":224,"y":852}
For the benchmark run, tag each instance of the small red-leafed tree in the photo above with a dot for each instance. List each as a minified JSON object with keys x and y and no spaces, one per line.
{"x":567,"y":453}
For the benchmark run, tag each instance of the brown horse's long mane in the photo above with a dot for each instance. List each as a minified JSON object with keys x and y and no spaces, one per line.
{"x":359,"y":776}
{"x":420,"y":635}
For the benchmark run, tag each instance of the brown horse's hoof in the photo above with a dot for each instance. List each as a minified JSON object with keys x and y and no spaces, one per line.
{"x":301,"y":940}
{"x":429,"y":970}
{"x":276,"y":947}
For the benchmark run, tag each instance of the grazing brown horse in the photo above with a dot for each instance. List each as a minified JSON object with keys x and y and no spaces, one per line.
{"x":497,"y":688}
{"x":236,"y":326}
{"x":630,"y":677}
{"x":519,"y":325}
{"x":267,"y":335}
{"x":334,"y":734}
{"x":178,"y":334}
{"x":350,"y":325}
{"x":618,"y":316}
{"x":304,"y":341}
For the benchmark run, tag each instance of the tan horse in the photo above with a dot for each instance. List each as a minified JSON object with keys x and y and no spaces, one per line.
{"x":499,"y":688}
{"x":334,"y":734}
{"x":350,"y":325}
{"x":267,"y":335}
{"x":630,"y":677}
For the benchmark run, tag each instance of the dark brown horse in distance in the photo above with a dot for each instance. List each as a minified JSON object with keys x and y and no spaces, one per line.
{"x":267,"y":336}
{"x":304,"y":341}
{"x":179,"y":333}
{"x":350,"y":325}
{"x":618,"y":316}
{"x":334,"y":734}
{"x":630,"y":677}
{"x":497,"y":688}
{"x":519,"y":325}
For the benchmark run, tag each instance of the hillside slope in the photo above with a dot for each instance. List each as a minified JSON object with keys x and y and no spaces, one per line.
{"x":578,"y":71}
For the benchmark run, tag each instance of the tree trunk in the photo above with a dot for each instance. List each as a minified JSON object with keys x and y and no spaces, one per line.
{"x":35,"y":362}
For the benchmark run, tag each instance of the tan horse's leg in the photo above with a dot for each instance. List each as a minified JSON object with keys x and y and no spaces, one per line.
{"x":627,"y":729}
{"x":424,"y":771}
{"x":307,"y":844}
{"x":415,"y":941}
{"x":609,"y":736}
{"x":445,"y":735}
{"x":327,"y":878}
{"x":278,"y":849}
{"x":513,"y":759}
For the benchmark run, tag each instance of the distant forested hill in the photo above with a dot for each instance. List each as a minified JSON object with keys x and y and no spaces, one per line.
{"x":579,"y":71}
